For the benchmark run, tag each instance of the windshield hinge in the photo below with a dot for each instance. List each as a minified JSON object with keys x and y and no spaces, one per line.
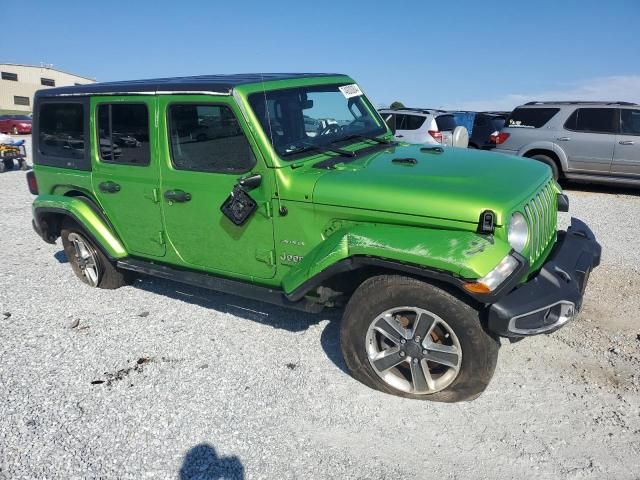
{"x":266,"y":256}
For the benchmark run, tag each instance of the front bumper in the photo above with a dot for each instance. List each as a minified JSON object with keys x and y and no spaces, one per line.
{"x":554,"y":296}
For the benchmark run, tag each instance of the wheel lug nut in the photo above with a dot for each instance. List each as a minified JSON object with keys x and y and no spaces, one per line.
{"x":424,"y":352}
{"x":417,"y":339}
{"x":415,"y":360}
{"x":403,"y":341}
{"x":402,"y":354}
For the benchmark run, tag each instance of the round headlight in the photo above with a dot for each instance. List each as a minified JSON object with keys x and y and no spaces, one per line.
{"x":518,"y":232}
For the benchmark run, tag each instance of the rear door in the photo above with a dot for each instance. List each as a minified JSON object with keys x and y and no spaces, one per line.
{"x":626,"y":153}
{"x":208,"y":151}
{"x":588,"y":139}
{"x":125,"y":176}
{"x":413,"y":131}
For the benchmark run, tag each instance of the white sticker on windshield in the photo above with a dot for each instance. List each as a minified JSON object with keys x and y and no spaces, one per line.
{"x":350,"y":90}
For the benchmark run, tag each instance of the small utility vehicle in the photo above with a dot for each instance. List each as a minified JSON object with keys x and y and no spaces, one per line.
{"x":289,"y":188}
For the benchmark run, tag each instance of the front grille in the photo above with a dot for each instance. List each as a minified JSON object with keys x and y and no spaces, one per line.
{"x":542,"y":215}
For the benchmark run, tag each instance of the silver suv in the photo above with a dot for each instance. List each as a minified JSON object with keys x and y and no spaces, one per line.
{"x":589,"y":141}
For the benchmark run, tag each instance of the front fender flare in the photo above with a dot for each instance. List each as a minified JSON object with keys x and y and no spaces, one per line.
{"x":46,"y":207}
{"x":456,"y":254}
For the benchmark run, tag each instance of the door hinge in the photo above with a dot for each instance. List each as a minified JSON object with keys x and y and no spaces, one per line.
{"x":161,"y":238}
{"x":156,"y":195}
{"x":266,"y":256}
{"x":268,"y":210}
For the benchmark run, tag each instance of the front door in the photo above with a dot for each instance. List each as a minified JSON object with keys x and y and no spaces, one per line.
{"x":588,"y":139}
{"x":626,"y":155}
{"x":125,"y":170}
{"x":208,"y":152}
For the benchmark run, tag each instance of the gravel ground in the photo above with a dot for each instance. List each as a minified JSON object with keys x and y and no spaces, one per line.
{"x":162,"y":380}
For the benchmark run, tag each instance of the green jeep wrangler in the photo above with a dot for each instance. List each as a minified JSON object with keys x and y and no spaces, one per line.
{"x":289,"y":188}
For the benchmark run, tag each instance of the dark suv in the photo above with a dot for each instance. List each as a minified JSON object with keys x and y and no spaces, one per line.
{"x":481,"y":126}
{"x":589,"y":141}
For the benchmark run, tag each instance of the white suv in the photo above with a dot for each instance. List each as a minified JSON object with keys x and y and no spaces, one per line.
{"x":423,"y":126}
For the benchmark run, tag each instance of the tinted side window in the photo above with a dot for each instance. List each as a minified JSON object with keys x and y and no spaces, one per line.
{"x":630,"y":121}
{"x":61,"y":130}
{"x":595,"y":120}
{"x":497,"y":123}
{"x":208,"y":138}
{"x":123,"y":130}
{"x":413,"y":122}
{"x":530,"y":117}
{"x":480,"y":121}
{"x":10,"y":76}
{"x":401,"y":121}
{"x":446,"y":123}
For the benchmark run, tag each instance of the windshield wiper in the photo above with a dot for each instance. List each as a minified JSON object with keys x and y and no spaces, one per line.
{"x":383,"y":141}
{"x":309,"y":147}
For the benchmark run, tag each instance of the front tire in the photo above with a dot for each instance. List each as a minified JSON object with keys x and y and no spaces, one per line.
{"x":88,"y":262}
{"x":409,"y":338}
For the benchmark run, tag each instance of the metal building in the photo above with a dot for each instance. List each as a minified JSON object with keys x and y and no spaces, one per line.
{"x":18,"y":83}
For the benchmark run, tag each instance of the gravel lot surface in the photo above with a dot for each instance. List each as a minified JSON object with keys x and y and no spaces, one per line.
{"x":162,"y":380}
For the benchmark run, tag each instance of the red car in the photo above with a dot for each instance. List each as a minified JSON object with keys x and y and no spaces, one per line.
{"x":15,"y":124}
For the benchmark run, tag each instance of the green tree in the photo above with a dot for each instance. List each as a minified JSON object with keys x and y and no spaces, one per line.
{"x":396,"y":105}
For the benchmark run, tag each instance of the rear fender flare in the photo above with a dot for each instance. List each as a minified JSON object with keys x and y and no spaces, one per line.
{"x":48,"y":209}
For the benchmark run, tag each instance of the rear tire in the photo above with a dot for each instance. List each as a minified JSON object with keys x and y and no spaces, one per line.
{"x":549,"y":161}
{"x":434,"y":341}
{"x":87,"y":260}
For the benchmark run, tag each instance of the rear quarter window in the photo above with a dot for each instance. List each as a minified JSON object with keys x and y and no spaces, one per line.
{"x":446,"y":123}
{"x":61,"y":133}
{"x":530,"y":117}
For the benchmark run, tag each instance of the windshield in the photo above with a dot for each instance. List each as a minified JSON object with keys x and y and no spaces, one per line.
{"x":21,"y":117}
{"x":300,"y":119}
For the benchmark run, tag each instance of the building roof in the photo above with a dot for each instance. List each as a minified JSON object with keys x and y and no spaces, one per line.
{"x":47,"y":67}
{"x":217,"y":84}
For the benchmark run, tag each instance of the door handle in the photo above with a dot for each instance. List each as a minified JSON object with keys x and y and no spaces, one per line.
{"x":563,"y":139}
{"x":177,"y":196}
{"x":626,"y":142}
{"x":109,"y":187}
{"x":399,"y":136}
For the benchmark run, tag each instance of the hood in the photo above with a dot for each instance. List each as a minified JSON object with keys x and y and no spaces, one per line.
{"x":456,"y":184}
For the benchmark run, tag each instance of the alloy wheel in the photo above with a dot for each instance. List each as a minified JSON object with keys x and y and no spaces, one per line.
{"x":86,"y":259}
{"x":413,"y":350}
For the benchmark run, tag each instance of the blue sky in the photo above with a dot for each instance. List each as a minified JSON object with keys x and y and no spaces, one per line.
{"x":465,"y":54}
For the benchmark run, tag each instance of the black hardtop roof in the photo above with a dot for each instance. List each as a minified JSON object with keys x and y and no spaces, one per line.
{"x":220,"y":84}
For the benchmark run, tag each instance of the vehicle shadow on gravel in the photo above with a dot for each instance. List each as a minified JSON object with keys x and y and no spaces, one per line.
{"x":202,"y":462}
{"x":571,"y":186}
{"x":255,"y":311}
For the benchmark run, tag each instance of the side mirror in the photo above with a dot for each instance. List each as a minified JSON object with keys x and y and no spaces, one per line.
{"x":250,"y":182}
